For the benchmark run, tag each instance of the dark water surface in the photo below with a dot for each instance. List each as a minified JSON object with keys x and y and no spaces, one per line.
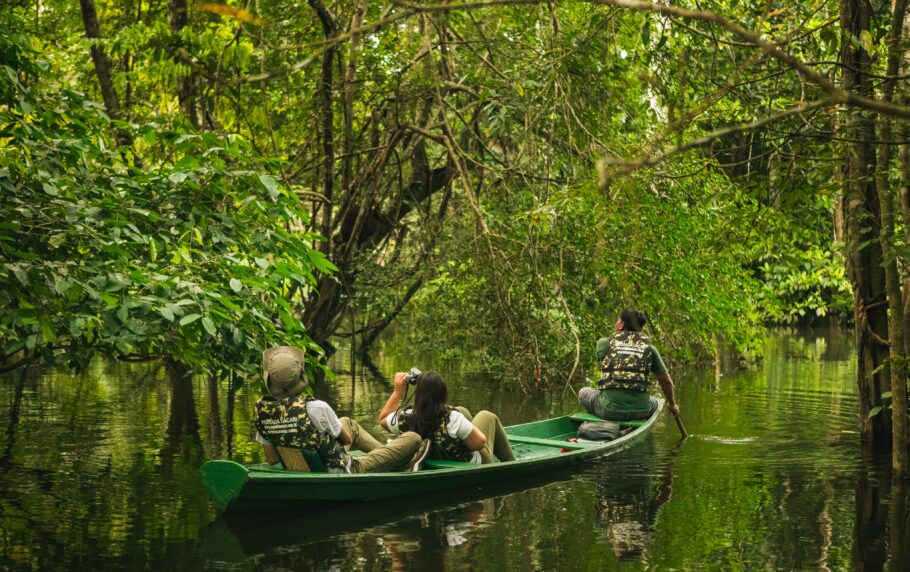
{"x":99,"y":471}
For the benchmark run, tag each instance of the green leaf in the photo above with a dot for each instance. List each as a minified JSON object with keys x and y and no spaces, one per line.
{"x":62,"y":285}
{"x":886,"y":395}
{"x":321,"y":262}
{"x":874,"y":411}
{"x":236,"y":285}
{"x":189,"y":319}
{"x":57,"y":240}
{"x":271,"y":185}
{"x":47,"y":331}
{"x":175,"y":309}
{"x":167,"y":313}
{"x":209,"y":326}
{"x":865,"y":40}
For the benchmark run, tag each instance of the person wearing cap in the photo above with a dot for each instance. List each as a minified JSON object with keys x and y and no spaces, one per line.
{"x":627,"y":359}
{"x":290,"y":417}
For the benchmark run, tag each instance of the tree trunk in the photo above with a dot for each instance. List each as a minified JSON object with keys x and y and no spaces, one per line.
{"x":176,"y":21}
{"x":892,"y":278}
{"x":324,"y":90}
{"x":350,"y":77}
{"x":903,"y":132}
{"x":100,"y":59}
{"x":370,"y":335}
{"x":862,"y":218}
{"x":103,"y":68}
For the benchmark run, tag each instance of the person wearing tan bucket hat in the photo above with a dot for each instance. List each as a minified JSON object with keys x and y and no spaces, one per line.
{"x":290,"y":417}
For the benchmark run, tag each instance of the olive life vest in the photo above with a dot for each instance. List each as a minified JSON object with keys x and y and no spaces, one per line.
{"x":627,"y":363}
{"x":445,"y":447}
{"x":285,"y":423}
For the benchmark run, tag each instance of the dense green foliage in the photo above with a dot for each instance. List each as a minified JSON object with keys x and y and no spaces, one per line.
{"x":190,"y":256}
{"x":491,"y":179}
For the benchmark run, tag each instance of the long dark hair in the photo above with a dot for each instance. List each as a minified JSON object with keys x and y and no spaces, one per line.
{"x":633,"y":320}
{"x":430,"y":403}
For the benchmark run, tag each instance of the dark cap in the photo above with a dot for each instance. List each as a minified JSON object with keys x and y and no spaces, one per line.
{"x":282,"y":371}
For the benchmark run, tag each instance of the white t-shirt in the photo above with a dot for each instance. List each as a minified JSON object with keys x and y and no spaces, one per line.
{"x":324,"y":418}
{"x":457,"y":427}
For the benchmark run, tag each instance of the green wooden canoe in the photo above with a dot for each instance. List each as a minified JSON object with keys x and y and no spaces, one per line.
{"x":538,"y":446}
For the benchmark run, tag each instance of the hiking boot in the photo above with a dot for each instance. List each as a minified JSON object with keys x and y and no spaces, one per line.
{"x":421,"y":454}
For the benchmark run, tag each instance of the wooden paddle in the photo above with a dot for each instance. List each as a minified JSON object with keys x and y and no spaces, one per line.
{"x":679,"y":424}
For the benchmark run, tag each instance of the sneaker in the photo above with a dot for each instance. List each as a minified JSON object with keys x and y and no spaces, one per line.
{"x":419,"y":456}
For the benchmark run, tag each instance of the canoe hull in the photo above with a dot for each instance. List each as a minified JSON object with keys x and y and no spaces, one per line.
{"x":234,"y":487}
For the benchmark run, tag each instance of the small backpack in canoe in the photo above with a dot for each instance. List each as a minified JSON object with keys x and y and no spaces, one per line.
{"x":598,"y":431}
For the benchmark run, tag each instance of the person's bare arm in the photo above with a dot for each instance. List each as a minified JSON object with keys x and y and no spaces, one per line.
{"x":401,"y":387}
{"x":476,"y":440}
{"x":666,"y":385}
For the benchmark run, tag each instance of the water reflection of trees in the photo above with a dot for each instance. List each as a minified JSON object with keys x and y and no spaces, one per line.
{"x":881,"y":528}
{"x":382,"y":540}
{"x":99,"y":468}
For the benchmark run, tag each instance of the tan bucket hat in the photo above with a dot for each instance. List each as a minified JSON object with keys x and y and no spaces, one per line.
{"x":283,"y":372}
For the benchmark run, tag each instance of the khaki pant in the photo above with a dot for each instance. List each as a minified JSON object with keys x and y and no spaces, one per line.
{"x":497,"y":441}
{"x":379,"y":458}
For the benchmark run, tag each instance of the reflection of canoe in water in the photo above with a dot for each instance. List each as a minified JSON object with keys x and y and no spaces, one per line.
{"x":538,"y":446}
{"x":274,"y":537}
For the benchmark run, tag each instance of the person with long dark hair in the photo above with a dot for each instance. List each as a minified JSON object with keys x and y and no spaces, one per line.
{"x":454,"y":434}
{"x":627,"y":359}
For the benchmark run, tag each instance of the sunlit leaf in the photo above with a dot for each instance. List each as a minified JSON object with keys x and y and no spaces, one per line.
{"x":233,"y":12}
{"x":189,"y":319}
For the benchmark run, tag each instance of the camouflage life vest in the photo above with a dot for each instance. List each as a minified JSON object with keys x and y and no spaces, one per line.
{"x":627,"y":363}
{"x":445,"y":447}
{"x":285,"y":423}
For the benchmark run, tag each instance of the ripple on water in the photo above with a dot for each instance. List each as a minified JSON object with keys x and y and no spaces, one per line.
{"x":724,"y":440}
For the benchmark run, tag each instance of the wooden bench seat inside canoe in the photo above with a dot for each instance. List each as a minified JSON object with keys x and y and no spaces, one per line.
{"x":546,"y":442}
{"x":301,"y":460}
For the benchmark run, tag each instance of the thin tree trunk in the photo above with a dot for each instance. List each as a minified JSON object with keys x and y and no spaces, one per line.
{"x":350,"y":76}
{"x":892,"y":278}
{"x":903,"y":131}
{"x":176,"y":21}
{"x":100,"y":59}
{"x":370,"y":336}
{"x":103,"y":68}
{"x":862,"y":217}
{"x":327,"y":115}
